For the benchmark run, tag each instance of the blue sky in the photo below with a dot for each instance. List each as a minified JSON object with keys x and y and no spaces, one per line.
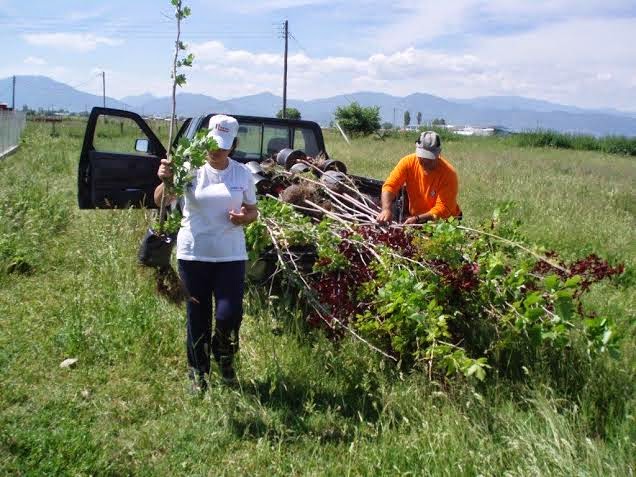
{"x":570,"y":51}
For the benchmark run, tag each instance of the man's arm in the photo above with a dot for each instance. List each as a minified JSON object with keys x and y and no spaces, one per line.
{"x":390,"y":190}
{"x":386,"y":214}
{"x":420,"y":219}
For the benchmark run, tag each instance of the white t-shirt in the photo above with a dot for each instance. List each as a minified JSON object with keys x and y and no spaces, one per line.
{"x":206,"y":233}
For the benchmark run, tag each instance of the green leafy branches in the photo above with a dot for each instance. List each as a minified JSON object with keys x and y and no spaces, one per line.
{"x":356,"y":119}
{"x":188,"y":155}
{"x":442,"y":298}
{"x":181,"y":13}
{"x":186,"y":158}
{"x":298,"y":229}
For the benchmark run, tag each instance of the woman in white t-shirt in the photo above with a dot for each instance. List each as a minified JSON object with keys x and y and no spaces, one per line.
{"x":211,"y":251}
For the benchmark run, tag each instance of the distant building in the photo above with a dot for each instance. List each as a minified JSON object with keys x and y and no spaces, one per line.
{"x":473,"y":131}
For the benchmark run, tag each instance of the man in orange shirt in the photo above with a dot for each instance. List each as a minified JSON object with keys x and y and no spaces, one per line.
{"x":431,"y":184}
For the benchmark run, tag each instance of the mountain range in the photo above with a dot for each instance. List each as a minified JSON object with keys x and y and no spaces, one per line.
{"x":512,"y":112}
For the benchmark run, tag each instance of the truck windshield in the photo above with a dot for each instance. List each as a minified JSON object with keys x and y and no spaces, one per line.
{"x":259,"y":140}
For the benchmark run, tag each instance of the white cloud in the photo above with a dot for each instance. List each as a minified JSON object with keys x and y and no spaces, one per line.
{"x":34,"y":60}
{"x":317,"y":77}
{"x":421,"y":22}
{"x":81,"y":42}
{"x":262,"y":6}
{"x":585,"y":62}
{"x":564,"y":50}
{"x":411,"y":61}
{"x":417,"y":23}
{"x":82,"y":15}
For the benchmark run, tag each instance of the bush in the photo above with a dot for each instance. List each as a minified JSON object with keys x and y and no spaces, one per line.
{"x":292,"y":113}
{"x":356,"y":119}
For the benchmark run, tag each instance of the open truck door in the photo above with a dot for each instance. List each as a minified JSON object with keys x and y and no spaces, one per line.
{"x":119,"y":161}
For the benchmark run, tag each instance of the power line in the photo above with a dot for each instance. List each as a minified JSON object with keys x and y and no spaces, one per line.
{"x":133,"y":30}
{"x":92,"y":78}
{"x":53,"y":91}
{"x":57,"y":26}
{"x":298,"y":44}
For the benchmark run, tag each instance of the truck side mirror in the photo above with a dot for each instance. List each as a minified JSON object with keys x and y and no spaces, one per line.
{"x":141,"y":145}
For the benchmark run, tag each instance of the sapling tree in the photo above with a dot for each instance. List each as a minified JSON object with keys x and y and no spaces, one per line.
{"x":188,"y":155}
{"x":184,"y":159}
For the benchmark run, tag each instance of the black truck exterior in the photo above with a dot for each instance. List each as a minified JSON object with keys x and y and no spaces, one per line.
{"x":109,"y":179}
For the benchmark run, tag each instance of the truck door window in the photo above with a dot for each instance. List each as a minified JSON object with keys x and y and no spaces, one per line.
{"x":305,"y":140}
{"x":299,"y":140}
{"x":114,"y":134}
{"x":249,"y":142}
{"x":275,"y":138}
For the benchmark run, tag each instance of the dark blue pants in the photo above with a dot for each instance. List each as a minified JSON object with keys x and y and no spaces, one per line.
{"x":225,"y":281}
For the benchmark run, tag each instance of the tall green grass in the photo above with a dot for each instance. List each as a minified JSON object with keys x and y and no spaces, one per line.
{"x":540,"y":138}
{"x":579,"y":142}
{"x":305,"y":405}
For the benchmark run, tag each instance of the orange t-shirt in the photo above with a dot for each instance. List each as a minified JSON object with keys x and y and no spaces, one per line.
{"x":429,"y":191}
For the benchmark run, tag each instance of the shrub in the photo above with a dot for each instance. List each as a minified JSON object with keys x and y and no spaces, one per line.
{"x":581,"y":142}
{"x":356,"y":119}
{"x":292,"y":113}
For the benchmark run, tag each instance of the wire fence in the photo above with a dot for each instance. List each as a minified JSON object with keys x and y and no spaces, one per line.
{"x":11,"y":125}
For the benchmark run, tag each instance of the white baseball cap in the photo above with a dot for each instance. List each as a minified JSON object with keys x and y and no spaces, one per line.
{"x":223,"y":130}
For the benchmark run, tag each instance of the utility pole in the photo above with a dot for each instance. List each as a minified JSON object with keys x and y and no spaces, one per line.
{"x":393,"y":117}
{"x":285,"y":72}
{"x":13,"y":95}
{"x":104,"y":87}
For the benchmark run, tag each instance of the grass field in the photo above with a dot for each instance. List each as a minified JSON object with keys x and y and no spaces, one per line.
{"x":70,"y":287}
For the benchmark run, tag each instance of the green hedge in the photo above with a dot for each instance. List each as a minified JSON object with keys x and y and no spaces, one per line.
{"x":547,"y":138}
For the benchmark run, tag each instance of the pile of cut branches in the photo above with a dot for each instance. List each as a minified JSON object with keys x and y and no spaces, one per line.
{"x":442,"y":297}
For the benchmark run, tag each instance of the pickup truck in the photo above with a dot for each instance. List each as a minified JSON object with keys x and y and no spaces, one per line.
{"x":112,"y":175}
{"x":111,"y":179}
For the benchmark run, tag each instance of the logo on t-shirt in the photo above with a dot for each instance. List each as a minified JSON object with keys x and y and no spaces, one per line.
{"x":433,"y":193}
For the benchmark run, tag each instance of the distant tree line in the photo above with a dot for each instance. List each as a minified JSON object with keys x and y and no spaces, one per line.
{"x":359,"y":120}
